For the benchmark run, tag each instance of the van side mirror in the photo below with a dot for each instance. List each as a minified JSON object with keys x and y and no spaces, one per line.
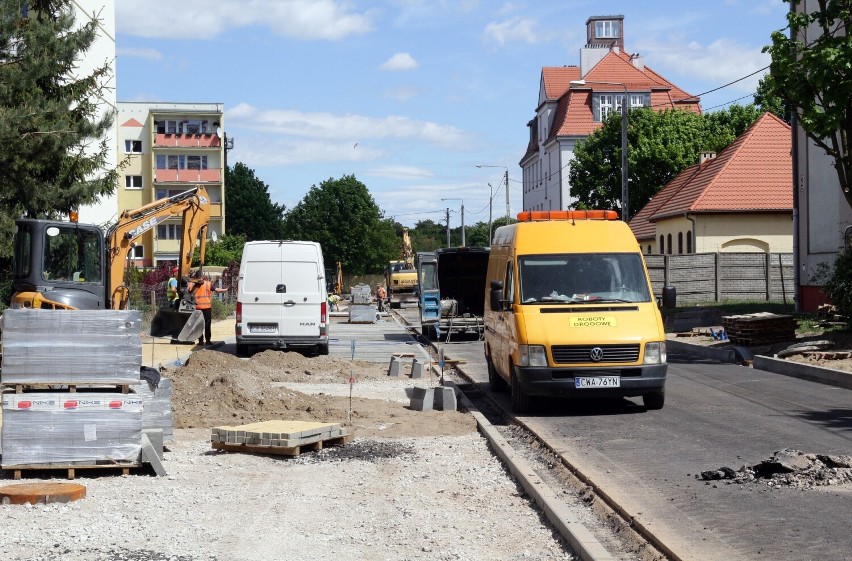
{"x":496,"y":295}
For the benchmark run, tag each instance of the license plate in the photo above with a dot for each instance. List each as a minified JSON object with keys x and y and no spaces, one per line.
{"x":263,"y":328}
{"x":598,"y":382}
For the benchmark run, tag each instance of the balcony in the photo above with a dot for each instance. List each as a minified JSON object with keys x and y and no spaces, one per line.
{"x":187,"y":176}
{"x":200,"y":140}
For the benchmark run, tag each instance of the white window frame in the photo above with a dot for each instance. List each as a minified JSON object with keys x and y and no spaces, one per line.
{"x":133,"y":182}
{"x":168,"y":231}
{"x":607,"y":103}
{"x":130,"y":145}
{"x":637,"y":100}
{"x":136,"y":252}
{"x":607,"y":29}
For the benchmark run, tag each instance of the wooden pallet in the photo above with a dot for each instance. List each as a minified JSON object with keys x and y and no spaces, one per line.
{"x":283,"y":450}
{"x":759,"y":329}
{"x":287,"y":438}
{"x":70,"y":469}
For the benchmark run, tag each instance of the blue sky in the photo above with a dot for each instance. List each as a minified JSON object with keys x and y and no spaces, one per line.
{"x":409,"y":95}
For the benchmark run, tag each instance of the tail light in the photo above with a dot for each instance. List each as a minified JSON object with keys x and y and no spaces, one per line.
{"x":239,"y":311}
{"x":323,"y":317}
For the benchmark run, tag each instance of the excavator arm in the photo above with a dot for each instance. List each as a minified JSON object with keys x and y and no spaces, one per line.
{"x":193,"y":204}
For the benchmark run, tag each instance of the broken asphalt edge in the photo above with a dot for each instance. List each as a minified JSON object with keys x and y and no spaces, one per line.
{"x":807,"y":372}
{"x":578,"y":536}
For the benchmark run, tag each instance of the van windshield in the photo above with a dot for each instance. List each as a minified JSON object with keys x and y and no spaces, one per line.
{"x":582,"y":277}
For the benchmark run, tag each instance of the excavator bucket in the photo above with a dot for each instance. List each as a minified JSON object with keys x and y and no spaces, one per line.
{"x":182,"y":326}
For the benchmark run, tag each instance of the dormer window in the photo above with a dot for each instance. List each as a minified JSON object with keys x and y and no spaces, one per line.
{"x":607,"y":30}
{"x":607,"y":103}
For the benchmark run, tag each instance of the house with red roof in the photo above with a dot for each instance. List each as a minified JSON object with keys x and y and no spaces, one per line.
{"x":737,"y":201}
{"x":573,"y":101}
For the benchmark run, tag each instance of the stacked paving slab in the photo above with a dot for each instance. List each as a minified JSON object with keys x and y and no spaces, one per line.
{"x":68,"y":380}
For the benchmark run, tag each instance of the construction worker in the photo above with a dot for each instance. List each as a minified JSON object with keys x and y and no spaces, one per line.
{"x":380,"y":297}
{"x":172,"y":290}
{"x":203,"y":291}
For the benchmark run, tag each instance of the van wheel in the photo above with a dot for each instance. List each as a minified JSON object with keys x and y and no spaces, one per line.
{"x":521,"y":402}
{"x":242,"y":350}
{"x":322,"y":350}
{"x":654,"y":400}
{"x":497,"y":383}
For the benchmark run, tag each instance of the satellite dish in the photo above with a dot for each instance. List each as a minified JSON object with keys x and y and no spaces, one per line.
{"x":214,"y":236}
{"x":219,"y":132}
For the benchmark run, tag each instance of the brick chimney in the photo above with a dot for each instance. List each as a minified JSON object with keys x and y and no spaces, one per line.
{"x":706,"y":156}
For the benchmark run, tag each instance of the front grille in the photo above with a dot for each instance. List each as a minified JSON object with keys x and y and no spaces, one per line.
{"x":582,"y":354}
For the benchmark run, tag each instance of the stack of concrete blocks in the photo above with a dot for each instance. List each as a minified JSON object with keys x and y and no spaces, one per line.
{"x":93,"y":351}
{"x":157,"y":410}
{"x":362,"y":309}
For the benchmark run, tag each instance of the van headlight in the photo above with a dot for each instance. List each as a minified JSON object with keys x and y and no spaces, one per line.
{"x":532,"y":355}
{"x":655,"y":353}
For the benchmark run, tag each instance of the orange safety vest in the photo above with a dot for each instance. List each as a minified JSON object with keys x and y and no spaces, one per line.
{"x":202,"y":296}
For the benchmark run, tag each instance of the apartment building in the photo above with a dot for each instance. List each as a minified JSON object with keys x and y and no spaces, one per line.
{"x":168,"y":148}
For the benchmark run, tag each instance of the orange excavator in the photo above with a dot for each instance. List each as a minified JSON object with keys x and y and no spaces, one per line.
{"x":65,"y":265}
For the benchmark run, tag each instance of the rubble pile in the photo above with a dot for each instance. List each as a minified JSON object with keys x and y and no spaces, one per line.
{"x":789,"y":468}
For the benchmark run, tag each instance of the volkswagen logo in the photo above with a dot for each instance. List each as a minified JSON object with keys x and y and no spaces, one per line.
{"x":596,"y":354}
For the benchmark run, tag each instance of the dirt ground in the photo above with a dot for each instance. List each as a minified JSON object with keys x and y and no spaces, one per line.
{"x":215,"y":388}
{"x":837,"y":357}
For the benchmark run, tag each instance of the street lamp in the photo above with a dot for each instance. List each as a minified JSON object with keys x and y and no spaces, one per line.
{"x":462,"y":217}
{"x":506,"y":179}
{"x":624,"y":103}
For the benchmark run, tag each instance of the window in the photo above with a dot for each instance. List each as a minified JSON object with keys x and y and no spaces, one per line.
{"x":669,"y":243}
{"x":637,"y":100}
{"x":575,"y":276}
{"x":136,"y":252}
{"x":680,"y":242}
{"x":689,"y":242}
{"x":133,"y":146}
{"x":662,"y":245}
{"x":607,"y":102}
{"x":133,"y":181}
{"x":168,"y":231}
{"x":606,"y":29}
{"x":196,"y":162}
{"x":72,"y":254}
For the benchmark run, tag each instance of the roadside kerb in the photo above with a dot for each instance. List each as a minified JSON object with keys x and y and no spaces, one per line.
{"x":807,"y":372}
{"x":578,"y":536}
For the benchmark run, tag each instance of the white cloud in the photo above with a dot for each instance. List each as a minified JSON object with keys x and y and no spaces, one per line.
{"x":353,"y":128}
{"x":720,"y":62}
{"x":202,"y":19}
{"x":513,"y":30}
{"x":147,"y":54}
{"x":266,"y":151}
{"x":400,"y":172}
{"x":403,"y":93}
{"x":400,"y":61}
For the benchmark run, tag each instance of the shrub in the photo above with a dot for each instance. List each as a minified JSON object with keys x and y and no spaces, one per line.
{"x":836,"y":283}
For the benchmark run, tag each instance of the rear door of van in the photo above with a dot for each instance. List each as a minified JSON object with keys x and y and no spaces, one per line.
{"x":302,"y":290}
{"x":429,"y":299}
{"x":260,"y":279}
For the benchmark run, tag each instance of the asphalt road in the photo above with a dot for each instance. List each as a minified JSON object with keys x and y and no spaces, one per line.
{"x":715,"y":415}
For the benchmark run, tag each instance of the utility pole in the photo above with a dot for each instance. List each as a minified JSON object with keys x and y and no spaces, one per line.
{"x":490,"y":204}
{"x":507,"y":196}
{"x":448,"y":227}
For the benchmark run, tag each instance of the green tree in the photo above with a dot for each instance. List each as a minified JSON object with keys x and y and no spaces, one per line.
{"x":53,"y":149}
{"x":427,"y":235}
{"x":249,"y":211}
{"x":767,"y":100}
{"x":661,"y":144}
{"x":815,"y":79}
{"x":225,"y":251}
{"x":342,"y":216}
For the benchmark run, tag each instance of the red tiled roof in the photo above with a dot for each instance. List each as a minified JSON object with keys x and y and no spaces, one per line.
{"x":131,"y":123}
{"x":575,"y":117}
{"x":557,"y":79}
{"x":753,"y":174}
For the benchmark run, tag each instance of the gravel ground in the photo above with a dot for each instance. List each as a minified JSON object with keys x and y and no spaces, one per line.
{"x":402,"y":498}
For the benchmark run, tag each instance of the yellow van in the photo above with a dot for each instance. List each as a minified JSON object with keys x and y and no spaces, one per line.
{"x":570,"y":312}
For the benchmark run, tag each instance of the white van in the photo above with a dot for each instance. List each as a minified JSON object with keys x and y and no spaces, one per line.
{"x":282,"y":299}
